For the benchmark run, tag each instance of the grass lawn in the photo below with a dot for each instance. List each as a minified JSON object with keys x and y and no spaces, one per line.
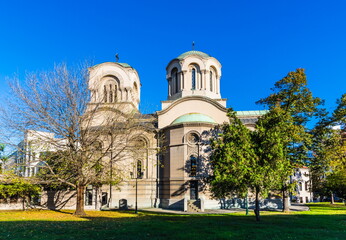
{"x":324,"y":221}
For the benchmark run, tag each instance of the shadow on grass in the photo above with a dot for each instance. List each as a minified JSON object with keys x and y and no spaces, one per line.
{"x":181,"y":227}
{"x":170,"y":226}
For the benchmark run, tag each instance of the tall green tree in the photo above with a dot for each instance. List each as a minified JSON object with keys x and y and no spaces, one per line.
{"x":256,"y":160}
{"x":294,"y":97}
{"x":275,"y":136}
{"x":231,"y":158}
{"x":329,"y":161}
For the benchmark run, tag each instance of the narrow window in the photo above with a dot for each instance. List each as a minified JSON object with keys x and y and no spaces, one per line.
{"x":88,"y":197}
{"x":115,"y":93}
{"x":211,"y":81}
{"x":105,"y":93}
{"x":176,"y":81}
{"x":139,"y":169}
{"x":193,"y":165}
{"x":110,"y":93}
{"x":193,"y":79}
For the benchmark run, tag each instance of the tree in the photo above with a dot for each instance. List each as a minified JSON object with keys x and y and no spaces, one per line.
{"x":14,"y":186}
{"x":329,"y":161}
{"x":232,"y":152}
{"x":91,"y":137}
{"x":336,"y":183}
{"x":294,"y":97}
{"x":2,"y":158}
{"x":257,"y":160}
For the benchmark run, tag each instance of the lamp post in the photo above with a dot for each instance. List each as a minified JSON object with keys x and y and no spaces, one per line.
{"x":111,"y":171}
{"x":138,"y":176}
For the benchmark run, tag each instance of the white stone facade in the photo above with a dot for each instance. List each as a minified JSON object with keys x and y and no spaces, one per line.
{"x":183,"y":127}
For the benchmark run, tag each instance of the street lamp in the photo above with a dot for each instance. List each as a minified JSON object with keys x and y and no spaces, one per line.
{"x":111,"y":171}
{"x":139,"y":175}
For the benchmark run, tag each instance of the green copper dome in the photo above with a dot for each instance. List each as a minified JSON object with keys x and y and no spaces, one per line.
{"x":194,"y":117}
{"x":124,"y":64}
{"x":202,"y":54}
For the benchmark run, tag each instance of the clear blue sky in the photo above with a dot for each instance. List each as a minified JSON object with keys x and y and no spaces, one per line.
{"x":257,"y":42}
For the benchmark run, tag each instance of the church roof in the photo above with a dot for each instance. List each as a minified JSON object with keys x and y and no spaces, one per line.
{"x":125,"y":65}
{"x":251,"y":113}
{"x":194,"y":117}
{"x":193,"y":52}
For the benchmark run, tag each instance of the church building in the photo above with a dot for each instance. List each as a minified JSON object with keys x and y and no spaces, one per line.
{"x":175,"y":151}
{"x":172,"y":178}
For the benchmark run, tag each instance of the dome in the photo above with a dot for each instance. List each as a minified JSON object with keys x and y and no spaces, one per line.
{"x":125,"y":65}
{"x":194,"y":117}
{"x":193,"y":52}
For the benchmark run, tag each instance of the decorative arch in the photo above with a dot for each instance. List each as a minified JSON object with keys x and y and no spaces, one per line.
{"x":140,"y":155}
{"x":110,"y":89}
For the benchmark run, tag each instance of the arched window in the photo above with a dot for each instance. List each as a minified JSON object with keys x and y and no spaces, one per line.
{"x":139,"y":169}
{"x":110,"y":93}
{"x":193,"y":76}
{"x":211,"y":81}
{"x":193,"y":166}
{"x":105,"y":93}
{"x":175,"y":80}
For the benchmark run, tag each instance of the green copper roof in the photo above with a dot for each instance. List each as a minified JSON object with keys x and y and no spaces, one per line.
{"x":121,"y":64}
{"x":124,"y":64}
{"x":202,"y":54}
{"x":251,"y":113}
{"x":194,"y":117}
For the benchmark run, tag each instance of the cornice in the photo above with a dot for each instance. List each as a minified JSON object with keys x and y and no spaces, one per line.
{"x":189,"y":98}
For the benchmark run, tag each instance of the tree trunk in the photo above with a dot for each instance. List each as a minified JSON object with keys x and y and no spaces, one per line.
{"x":80,"y":201}
{"x":257,"y":209}
{"x":285,"y":201}
{"x":331,"y":198}
{"x":23,"y":204}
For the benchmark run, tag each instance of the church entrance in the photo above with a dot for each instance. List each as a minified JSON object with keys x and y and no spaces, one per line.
{"x":193,"y":190}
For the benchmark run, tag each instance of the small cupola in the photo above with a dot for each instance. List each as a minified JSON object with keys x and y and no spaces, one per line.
{"x":113,"y":83}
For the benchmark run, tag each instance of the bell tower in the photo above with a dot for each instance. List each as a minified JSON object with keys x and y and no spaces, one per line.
{"x":193,"y":73}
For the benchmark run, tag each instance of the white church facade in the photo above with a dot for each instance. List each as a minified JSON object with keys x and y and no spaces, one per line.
{"x":173,"y":176}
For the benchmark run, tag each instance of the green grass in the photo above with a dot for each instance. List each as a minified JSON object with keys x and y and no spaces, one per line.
{"x":324,"y":221}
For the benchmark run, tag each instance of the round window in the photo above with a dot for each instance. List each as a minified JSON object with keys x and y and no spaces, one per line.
{"x":193,"y":138}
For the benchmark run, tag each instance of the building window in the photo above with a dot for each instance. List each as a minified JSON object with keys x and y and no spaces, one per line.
{"x":175,"y":81}
{"x":300,"y":186}
{"x":211,"y":81}
{"x":193,"y":166}
{"x":88,"y":197}
{"x":193,"y":75}
{"x":105,"y":93}
{"x":306,"y":199}
{"x":193,"y":138}
{"x":110,"y":93}
{"x":306,"y":186}
{"x":139,"y":169}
